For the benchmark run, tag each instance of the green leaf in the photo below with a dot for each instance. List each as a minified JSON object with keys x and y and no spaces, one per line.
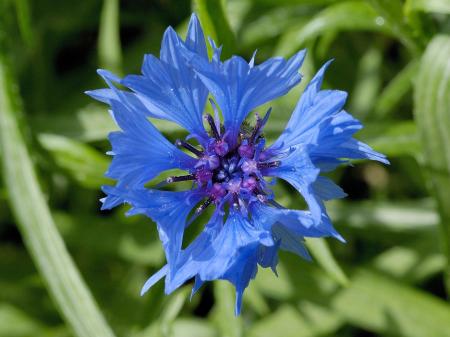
{"x":171,"y":310}
{"x":397,"y":88}
{"x":271,"y":24}
{"x":432,"y":112}
{"x":321,"y":252}
{"x":223,"y":316}
{"x":393,"y":216}
{"x":393,"y":139}
{"x":368,"y":82}
{"x":284,"y":322}
{"x":433,"y":6}
{"x":24,"y":21}
{"x":310,"y":320}
{"x":392,"y":12}
{"x":334,"y":18}
{"x":410,"y":264}
{"x":192,"y":327}
{"x":83,"y":163}
{"x":384,"y":306}
{"x":91,"y":123}
{"x":109,"y":49}
{"x":16,"y":323}
{"x":212,"y":16}
{"x":36,"y":225}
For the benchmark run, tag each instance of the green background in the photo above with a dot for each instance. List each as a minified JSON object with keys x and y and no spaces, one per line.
{"x":67,"y":269}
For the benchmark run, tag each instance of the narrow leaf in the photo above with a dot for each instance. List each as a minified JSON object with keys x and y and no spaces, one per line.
{"x":321,"y":252}
{"x":109,"y":48}
{"x":397,"y":88}
{"x":36,"y":225}
{"x":432,"y":113}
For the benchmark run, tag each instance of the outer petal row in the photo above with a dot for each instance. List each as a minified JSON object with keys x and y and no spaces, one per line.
{"x":240,"y":87}
{"x":233,"y":250}
{"x":168,"y":89}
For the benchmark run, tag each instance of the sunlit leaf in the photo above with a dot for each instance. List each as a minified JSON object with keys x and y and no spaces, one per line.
{"x":334,"y":18}
{"x":396,"y":90}
{"x":409,"y":264}
{"x":432,"y":112}
{"x":436,"y":6}
{"x":223,"y":312}
{"x":393,"y":139}
{"x":322,"y":254}
{"x":381,"y":305}
{"x":83,"y":163}
{"x":397,"y":217}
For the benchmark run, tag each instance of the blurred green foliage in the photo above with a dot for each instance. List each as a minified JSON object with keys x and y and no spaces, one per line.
{"x":392,"y":278}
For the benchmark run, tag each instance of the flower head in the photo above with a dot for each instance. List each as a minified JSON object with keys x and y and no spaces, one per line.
{"x":230,"y":162}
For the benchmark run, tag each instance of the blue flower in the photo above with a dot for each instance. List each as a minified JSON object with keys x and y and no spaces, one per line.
{"x":229,"y":163}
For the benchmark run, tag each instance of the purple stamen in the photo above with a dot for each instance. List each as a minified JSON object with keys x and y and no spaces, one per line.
{"x":203,"y":176}
{"x":234,"y":185}
{"x":249,"y":166}
{"x":221,"y":148}
{"x":217,"y":191}
{"x":249,"y":184}
{"x":246,"y":151}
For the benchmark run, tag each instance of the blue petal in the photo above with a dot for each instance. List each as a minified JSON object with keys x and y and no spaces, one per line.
{"x":243,"y":269}
{"x":299,"y":222}
{"x":140,"y":152}
{"x":326,"y":189}
{"x":236,"y":236}
{"x":191,"y":259}
{"x":297,"y":169}
{"x":239,"y":87}
{"x":154,"y":278}
{"x":168,"y":209}
{"x":268,"y":256}
{"x":169,"y":88}
{"x":334,"y":140}
{"x":291,"y":241}
{"x":318,"y":119}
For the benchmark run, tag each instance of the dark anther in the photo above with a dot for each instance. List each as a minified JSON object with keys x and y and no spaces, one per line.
{"x":259,"y":125}
{"x":213,"y":126}
{"x":269,"y":164}
{"x":203,"y":206}
{"x":180,"y":178}
{"x":235,"y":201}
{"x":189,"y":147}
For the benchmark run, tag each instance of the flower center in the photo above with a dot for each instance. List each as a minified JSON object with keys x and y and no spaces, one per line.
{"x":230,"y":175}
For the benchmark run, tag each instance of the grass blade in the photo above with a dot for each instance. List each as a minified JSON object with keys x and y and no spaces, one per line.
{"x":36,"y":225}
